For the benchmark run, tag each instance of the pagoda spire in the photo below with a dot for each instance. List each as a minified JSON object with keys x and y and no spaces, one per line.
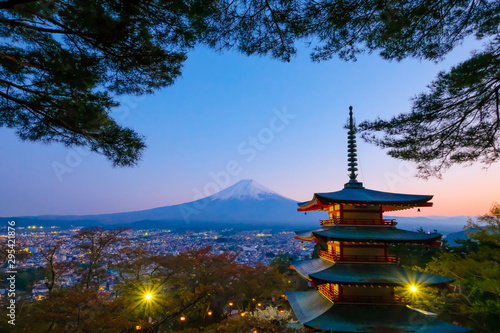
{"x":352,"y":154}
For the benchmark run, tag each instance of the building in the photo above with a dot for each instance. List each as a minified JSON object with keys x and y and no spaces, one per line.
{"x":355,"y":276}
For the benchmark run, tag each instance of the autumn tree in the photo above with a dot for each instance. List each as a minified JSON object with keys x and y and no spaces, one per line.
{"x":131,"y":262}
{"x":251,"y":323}
{"x":53,"y":269}
{"x":94,"y":244}
{"x":193,"y":283}
{"x":196,"y":284}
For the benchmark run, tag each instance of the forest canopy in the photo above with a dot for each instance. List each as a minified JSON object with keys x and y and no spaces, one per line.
{"x":64,"y":63}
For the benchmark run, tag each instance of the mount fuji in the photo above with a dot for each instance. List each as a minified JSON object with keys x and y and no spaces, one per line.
{"x":242,"y":205}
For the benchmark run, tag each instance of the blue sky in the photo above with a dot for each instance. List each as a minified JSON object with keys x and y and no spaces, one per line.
{"x":208,"y":120}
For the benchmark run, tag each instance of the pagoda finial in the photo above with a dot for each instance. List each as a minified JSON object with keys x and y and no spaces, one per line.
{"x":352,"y":153}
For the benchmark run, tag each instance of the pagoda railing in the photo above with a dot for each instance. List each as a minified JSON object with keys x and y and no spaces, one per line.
{"x":357,"y":258}
{"x":379,"y":222}
{"x":327,"y":255}
{"x":335,"y":297}
{"x":325,"y":291}
{"x":371,"y":299}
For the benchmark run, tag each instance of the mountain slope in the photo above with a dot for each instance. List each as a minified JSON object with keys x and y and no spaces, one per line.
{"x":453,"y":237}
{"x":246,"y":202}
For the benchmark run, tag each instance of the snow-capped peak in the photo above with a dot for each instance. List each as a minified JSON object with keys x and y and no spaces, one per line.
{"x":245,"y":189}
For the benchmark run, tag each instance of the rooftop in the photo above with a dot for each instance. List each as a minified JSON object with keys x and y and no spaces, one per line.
{"x":315,"y":311}
{"x":386,"y":234}
{"x":323,"y":271}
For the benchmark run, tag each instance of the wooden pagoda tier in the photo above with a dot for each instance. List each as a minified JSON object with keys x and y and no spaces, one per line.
{"x":354,"y":194}
{"x":355,"y":276}
{"x":316,"y":312}
{"x":361,"y":234}
{"x":320,"y":271}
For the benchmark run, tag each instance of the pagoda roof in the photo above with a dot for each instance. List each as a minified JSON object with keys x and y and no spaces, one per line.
{"x":308,"y":267}
{"x":315,"y":311}
{"x":368,"y":233}
{"x":306,"y":234}
{"x":362,"y":196}
{"x":324,"y":271}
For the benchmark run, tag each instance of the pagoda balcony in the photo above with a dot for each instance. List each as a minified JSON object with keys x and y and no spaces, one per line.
{"x":357,"y":258}
{"x":370,"y":222}
{"x":333,"y":296}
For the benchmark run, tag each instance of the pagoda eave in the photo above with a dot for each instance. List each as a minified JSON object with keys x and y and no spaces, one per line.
{"x":314,"y":311}
{"x":322,"y":271}
{"x":378,"y":276}
{"x":365,"y":197}
{"x":371,"y":234}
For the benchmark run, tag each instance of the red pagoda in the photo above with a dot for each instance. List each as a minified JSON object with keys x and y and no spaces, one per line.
{"x":355,"y":276}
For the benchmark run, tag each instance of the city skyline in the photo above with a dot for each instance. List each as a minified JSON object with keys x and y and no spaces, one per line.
{"x":278,"y":123}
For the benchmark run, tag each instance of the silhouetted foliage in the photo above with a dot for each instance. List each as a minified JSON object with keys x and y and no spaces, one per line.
{"x":411,"y":255}
{"x":475,"y":301}
{"x":281,"y":262}
{"x":63,"y":63}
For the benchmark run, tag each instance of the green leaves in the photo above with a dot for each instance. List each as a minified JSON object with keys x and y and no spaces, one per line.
{"x":456,"y":122}
{"x":476,"y":297}
{"x":62,"y":63}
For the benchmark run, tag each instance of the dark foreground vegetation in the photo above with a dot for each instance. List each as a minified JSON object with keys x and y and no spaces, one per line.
{"x":201,"y":291}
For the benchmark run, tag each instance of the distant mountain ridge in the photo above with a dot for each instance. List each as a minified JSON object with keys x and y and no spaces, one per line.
{"x":443,"y":224}
{"x":246,"y":204}
{"x":453,"y":237}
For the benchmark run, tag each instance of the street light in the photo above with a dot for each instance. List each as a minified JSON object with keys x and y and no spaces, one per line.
{"x":413,"y":288}
{"x":209,"y":313}
{"x":148,"y":296}
{"x":183,"y":318}
{"x":230,"y":303}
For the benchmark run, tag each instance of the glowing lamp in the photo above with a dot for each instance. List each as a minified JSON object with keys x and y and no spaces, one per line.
{"x":242,"y":314}
{"x":230,"y":303}
{"x":413,"y":288}
{"x":138,"y":328}
{"x":209,"y":313}
{"x":259,"y":304}
{"x":149,"y":296}
{"x":183,"y":318}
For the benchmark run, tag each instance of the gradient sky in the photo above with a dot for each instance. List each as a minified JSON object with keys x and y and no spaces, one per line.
{"x":207,"y":120}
